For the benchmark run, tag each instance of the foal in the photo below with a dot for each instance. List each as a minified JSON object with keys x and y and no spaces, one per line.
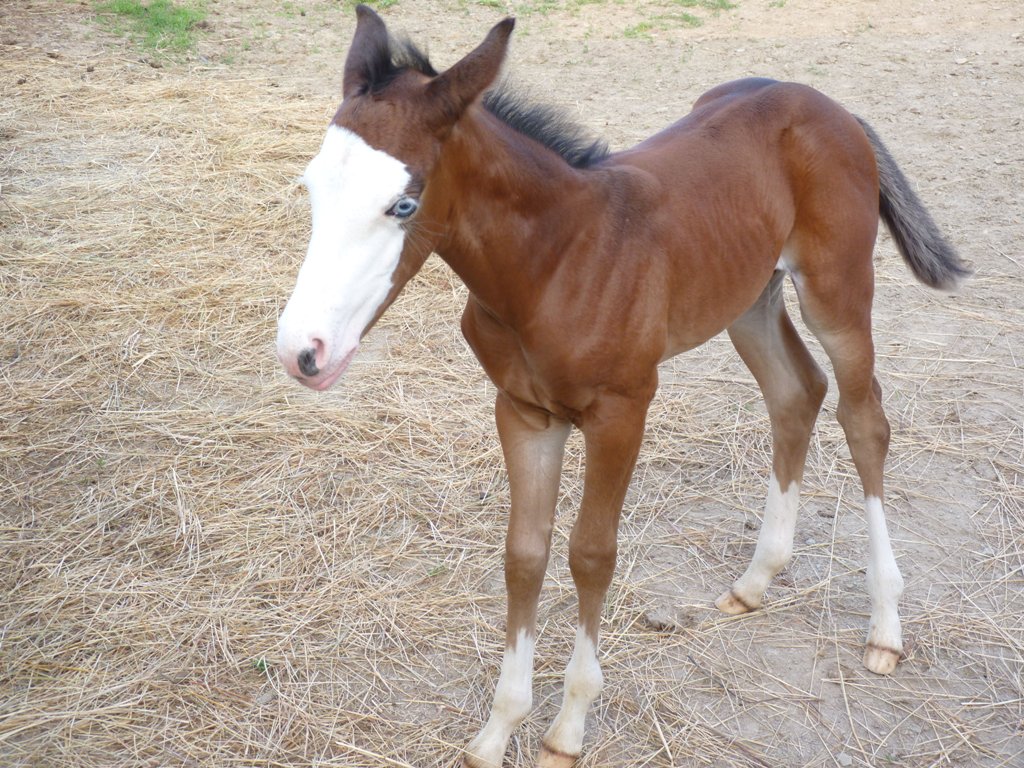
{"x":585,"y":270}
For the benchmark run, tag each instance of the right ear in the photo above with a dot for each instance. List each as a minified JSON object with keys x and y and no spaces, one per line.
{"x":456,"y":88}
{"x":370,"y":44}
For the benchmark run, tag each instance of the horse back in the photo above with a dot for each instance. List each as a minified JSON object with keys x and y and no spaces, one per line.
{"x":755,"y":165}
{"x":754,"y":126}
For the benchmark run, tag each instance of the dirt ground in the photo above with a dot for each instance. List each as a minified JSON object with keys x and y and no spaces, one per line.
{"x":205,"y":565}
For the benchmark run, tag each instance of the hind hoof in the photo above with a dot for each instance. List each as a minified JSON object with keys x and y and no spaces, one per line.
{"x":732,"y":604}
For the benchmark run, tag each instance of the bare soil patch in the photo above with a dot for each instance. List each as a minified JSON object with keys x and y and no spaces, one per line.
{"x":204,"y":565}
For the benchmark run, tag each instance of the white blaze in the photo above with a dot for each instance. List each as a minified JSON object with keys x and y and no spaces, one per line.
{"x":353,"y":251}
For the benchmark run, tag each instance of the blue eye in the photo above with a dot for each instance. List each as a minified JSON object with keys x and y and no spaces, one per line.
{"x":404,"y":208}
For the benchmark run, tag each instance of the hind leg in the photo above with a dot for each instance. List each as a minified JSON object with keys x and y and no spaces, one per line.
{"x":794,"y":387}
{"x":867,"y":433}
{"x":836,"y":305}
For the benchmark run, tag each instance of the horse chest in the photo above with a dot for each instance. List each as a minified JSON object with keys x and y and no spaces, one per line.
{"x":521,"y":373}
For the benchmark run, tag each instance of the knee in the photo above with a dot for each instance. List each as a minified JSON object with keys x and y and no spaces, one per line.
{"x":864,"y":423}
{"x":592,"y":562}
{"x":795,"y":414}
{"x":525,"y":564}
{"x":816,"y":386}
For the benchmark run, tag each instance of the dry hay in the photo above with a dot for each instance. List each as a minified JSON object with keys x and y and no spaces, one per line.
{"x":207,"y":566}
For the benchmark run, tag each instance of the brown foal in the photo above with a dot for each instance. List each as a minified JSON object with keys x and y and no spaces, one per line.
{"x":585,"y":270}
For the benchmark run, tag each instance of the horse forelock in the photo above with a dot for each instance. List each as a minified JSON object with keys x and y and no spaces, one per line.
{"x":390,"y":58}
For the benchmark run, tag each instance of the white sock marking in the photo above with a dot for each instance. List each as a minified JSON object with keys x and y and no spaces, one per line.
{"x":885,"y":584}
{"x":513,"y":698}
{"x":583,"y":681}
{"x":774,"y":542}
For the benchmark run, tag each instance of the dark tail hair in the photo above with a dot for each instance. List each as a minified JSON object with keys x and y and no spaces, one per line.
{"x":928,"y":254}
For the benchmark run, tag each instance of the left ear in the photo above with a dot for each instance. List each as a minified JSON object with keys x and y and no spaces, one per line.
{"x":370,"y":47}
{"x":456,"y":88}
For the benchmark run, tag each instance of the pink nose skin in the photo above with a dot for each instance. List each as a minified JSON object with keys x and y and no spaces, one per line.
{"x":310,"y":363}
{"x":307,"y":362}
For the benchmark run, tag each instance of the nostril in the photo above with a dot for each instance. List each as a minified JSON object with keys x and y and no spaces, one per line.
{"x":307,"y":362}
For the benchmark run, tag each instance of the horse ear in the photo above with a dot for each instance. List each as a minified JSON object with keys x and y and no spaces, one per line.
{"x":369,"y":44}
{"x":457,"y":87}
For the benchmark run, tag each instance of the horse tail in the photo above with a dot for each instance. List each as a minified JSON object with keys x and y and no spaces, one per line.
{"x":927,"y":252}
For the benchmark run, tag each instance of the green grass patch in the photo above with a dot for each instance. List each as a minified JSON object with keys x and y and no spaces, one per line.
{"x":639,"y":30}
{"x":155,"y":24}
{"x":662,"y":22}
{"x":650,"y":17}
{"x":710,"y":5}
{"x":542,"y":7}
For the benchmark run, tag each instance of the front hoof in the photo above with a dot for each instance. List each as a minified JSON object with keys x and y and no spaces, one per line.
{"x":881,"y":661}
{"x":470,"y":760}
{"x":551,"y":758}
{"x":732,"y":604}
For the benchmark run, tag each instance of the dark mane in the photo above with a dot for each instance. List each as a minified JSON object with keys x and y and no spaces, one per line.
{"x":548,"y":125}
{"x":545,"y":124}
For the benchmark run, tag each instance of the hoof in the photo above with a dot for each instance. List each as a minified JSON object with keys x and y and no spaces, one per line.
{"x":472,"y":761}
{"x":551,"y":758}
{"x":881,"y":661}
{"x":733,"y":605}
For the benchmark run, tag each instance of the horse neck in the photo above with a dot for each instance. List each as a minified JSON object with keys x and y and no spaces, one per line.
{"x":512,"y":210}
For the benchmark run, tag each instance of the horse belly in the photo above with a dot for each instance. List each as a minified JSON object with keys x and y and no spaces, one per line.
{"x":718,"y":275}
